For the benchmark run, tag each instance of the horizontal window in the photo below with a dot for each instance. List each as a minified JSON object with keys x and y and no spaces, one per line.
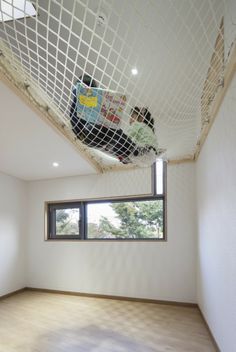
{"x":132,"y":219}
{"x":125,"y":220}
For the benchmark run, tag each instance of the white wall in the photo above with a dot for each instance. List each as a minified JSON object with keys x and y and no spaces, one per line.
{"x":13,"y":206}
{"x":150,"y":270}
{"x":216,"y":185}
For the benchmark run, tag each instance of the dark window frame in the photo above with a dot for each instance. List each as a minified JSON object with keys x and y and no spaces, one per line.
{"x":51,"y":220}
{"x":51,"y":207}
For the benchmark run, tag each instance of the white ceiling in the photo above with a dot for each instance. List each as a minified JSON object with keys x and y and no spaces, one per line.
{"x":29,"y":146}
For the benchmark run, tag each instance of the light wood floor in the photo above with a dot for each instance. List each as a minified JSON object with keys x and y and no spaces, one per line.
{"x":45,"y":322}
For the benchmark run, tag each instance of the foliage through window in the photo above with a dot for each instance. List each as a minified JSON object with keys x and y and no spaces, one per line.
{"x":132,"y":219}
{"x":137,"y":218}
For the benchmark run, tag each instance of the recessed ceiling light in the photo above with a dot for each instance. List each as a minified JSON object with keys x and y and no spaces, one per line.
{"x":16,"y":9}
{"x":55,"y":164}
{"x":134,"y":71}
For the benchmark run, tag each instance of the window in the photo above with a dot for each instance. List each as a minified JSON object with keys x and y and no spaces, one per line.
{"x":65,"y":220}
{"x":133,"y":218}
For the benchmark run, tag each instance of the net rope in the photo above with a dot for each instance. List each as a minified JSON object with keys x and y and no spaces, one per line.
{"x":74,"y":59}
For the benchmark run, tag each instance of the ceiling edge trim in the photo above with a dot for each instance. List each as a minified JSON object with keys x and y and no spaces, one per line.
{"x":229,"y":72}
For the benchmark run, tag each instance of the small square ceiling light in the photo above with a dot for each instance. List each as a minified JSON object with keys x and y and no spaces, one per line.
{"x":15,"y":9}
{"x":134,"y":71}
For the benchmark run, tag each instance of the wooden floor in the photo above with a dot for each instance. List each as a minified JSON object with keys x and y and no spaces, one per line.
{"x":45,"y":322}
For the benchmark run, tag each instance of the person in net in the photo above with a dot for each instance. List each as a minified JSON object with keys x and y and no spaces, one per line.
{"x":88,"y":125}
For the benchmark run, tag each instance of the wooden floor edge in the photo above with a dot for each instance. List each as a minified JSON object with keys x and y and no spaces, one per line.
{"x":118,"y":298}
{"x":13,"y":293}
{"x":181,"y":161}
{"x":209,"y":330}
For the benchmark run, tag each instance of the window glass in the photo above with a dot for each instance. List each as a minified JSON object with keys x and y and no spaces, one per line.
{"x":67,"y":221}
{"x":125,"y":220}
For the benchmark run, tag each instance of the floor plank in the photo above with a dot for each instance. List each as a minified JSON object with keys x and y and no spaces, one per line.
{"x":45,"y":322}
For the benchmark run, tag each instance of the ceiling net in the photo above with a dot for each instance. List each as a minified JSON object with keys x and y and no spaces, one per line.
{"x":126,"y":81}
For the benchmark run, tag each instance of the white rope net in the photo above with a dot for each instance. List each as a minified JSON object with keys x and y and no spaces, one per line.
{"x":134,"y":79}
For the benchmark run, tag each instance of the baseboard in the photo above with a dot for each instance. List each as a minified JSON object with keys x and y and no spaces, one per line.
{"x":12,"y":293}
{"x":209,"y":330}
{"x":120,"y":298}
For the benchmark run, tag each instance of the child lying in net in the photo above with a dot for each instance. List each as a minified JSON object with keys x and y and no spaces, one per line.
{"x":88,"y":126}
{"x":142,"y":133}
